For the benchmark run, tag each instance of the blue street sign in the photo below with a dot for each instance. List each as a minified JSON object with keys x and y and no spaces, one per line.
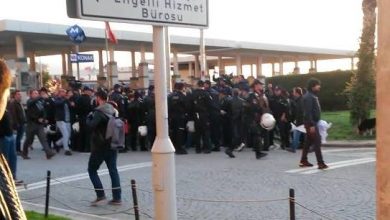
{"x":76,"y":34}
{"x":81,"y":58}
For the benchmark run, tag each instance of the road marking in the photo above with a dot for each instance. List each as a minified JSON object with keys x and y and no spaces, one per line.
{"x":81,"y":176}
{"x":341,"y":165}
{"x":333,"y":165}
{"x":349,"y":149}
{"x":68,"y":211}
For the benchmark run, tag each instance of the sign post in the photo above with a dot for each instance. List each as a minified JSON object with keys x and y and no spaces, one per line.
{"x":160,"y":14}
{"x":164,"y":178}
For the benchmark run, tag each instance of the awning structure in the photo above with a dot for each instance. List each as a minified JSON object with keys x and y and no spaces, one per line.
{"x":20,"y":40}
{"x":50,"y":39}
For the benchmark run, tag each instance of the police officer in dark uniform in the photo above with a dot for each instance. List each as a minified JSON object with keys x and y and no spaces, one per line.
{"x":256,"y":105}
{"x":139,"y":107}
{"x":280,"y":109}
{"x":215,"y":115}
{"x":177,"y":112}
{"x":237,"y":112}
{"x":150,"y":114}
{"x":269,"y":93}
{"x":201,"y":102}
{"x":119,"y":99}
{"x":227,"y":121}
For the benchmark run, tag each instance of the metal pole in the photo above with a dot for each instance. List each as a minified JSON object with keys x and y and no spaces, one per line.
{"x":292,"y":204}
{"x":108,"y":69}
{"x":135,"y":199}
{"x":47,"y":193}
{"x":164,"y":179}
{"x":77,"y":47}
{"x":203,"y":64}
{"x":40,"y":72}
{"x":168,"y":58}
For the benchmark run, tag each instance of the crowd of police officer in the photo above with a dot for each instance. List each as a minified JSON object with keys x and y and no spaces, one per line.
{"x":209,"y":116}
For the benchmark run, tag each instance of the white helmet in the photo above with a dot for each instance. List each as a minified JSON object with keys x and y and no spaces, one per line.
{"x":143,"y":130}
{"x":267,"y":121}
{"x":76,"y":127}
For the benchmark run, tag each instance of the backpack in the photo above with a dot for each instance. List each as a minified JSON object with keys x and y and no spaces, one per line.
{"x":115,"y":131}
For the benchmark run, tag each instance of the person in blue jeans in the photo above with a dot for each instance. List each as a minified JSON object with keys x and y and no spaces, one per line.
{"x":102,"y":152}
{"x":297,"y":118}
{"x":7,"y":144}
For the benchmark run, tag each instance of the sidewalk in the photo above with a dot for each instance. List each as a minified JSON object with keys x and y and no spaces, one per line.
{"x":72,"y":215}
{"x":350,"y":143}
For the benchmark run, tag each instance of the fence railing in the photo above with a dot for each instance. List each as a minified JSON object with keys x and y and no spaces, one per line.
{"x":137,"y":211}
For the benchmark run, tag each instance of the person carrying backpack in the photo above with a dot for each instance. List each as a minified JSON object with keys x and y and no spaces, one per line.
{"x":101,"y":150}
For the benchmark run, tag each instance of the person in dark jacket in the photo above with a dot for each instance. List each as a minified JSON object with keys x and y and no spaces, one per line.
{"x":280,"y":109}
{"x":119,"y":99}
{"x":214,"y":114}
{"x":256,"y":105}
{"x":52,"y":133}
{"x":18,"y":116}
{"x":269,"y":93}
{"x":201,"y":102}
{"x":150,"y":114}
{"x":83,"y":108}
{"x":36,"y":120}
{"x":297,"y":118}
{"x":132,"y":120}
{"x":237,"y":113}
{"x":311,"y":117}
{"x":141,"y":118}
{"x":227,"y":121}
{"x":178,"y":114}
{"x":101,"y":151}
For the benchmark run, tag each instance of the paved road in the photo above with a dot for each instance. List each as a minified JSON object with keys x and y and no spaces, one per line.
{"x":207,"y":185}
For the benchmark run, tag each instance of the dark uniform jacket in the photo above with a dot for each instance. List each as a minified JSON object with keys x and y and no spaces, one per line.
{"x":35,"y":110}
{"x":177,"y":106}
{"x":237,"y":108}
{"x":201,"y":100}
{"x":279,"y":106}
{"x":215,"y":106}
{"x":256,"y":105}
{"x":120,"y":100}
{"x":84,"y":106}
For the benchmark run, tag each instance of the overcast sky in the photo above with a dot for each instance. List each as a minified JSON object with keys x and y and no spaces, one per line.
{"x":334,"y":24}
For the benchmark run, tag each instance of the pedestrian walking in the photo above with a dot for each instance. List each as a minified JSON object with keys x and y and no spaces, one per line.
{"x":297,"y":118}
{"x":18,"y":118}
{"x":102,"y":152}
{"x":312,"y":115}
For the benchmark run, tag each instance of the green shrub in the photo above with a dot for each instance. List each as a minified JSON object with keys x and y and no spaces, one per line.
{"x":31,"y":215}
{"x":332,"y":96}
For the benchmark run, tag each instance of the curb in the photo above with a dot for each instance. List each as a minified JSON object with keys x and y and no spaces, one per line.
{"x":351,"y":143}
